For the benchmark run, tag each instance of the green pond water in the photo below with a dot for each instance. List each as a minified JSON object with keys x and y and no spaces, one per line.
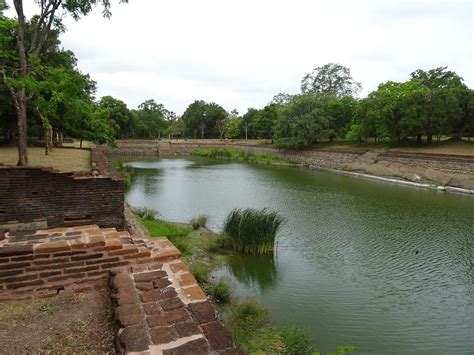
{"x":387,"y":269}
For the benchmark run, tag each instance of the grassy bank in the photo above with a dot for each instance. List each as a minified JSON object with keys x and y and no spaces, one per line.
{"x":236,"y":154}
{"x":248,"y":320}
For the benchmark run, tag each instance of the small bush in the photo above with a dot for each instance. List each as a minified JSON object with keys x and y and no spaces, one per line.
{"x":220,"y":291}
{"x":200,"y":271}
{"x":221,"y":242}
{"x":296,"y":340}
{"x":199,"y":222}
{"x":252,"y":231}
{"x":146,"y":213}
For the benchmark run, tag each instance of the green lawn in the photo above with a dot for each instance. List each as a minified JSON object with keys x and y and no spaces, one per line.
{"x":62,"y":159}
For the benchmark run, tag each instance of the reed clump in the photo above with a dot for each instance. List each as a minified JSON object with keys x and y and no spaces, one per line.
{"x":252,"y":231}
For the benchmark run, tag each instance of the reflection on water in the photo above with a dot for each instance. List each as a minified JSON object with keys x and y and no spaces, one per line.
{"x":382,"y":267}
{"x":248,"y":270}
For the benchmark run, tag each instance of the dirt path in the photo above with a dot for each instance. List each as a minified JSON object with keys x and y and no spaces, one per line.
{"x":66,"y":324}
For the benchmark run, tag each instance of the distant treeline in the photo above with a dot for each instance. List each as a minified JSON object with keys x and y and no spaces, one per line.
{"x":56,"y":97}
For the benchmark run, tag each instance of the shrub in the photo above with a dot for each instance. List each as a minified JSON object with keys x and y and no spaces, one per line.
{"x":252,"y":231}
{"x":200,"y":271}
{"x":296,"y":340}
{"x":220,"y":291}
{"x":199,"y":222}
{"x":146,"y":213}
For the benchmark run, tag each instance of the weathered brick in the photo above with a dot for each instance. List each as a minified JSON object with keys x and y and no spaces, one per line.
{"x":152,"y":308}
{"x":187,"y":328}
{"x":134,"y":339}
{"x":126,"y":296}
{"x":67,"y":277}
{"x":144,"y":286}
{"x":41,"y":256}
{"x":69,"y":253}
{"x":158,"y":295}
{"x":172,"y":303}
{"x":81,"y":269}
{"x":110,"y":245}
{"x":167,"y":318}
{"x":13,"y":266}
{"x":112,"y":265}
{"x":187,"y":279}
{"x":50,"y":273}
{"x":103,"y":261}
{"x":198,"y":346}
{"x":203,"y":312}
{"x":14,"y":286}
{"x":149,"y":276}
{"x":141,"y":254}
{"x":122,"y":280}
{"x":19,"y":278}
{"x":14,"y":250}
{"x":162,"y":335}
{"x":124,"y":251}
{"x":55,"y":266}
{"x":96,"y":241}
{"x":52,"y":247}
{"x":179,"y":266}
{"x":217,"y":335}
{"x":5,"y":260}
{"x":129,"y":314}
{"x":22,"y":258}
{"x":51,"y":261}
{"x":86,"y":257}
{"x":10,"y":273}
{"x":96,"y":273}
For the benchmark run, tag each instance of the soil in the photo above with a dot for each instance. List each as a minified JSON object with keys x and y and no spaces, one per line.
{"x":74,"y":323}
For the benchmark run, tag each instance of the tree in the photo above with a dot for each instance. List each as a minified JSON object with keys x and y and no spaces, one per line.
{"x":262,"y":125}
{"x":117,"y":113}
{"x":281,"y":99}
{"x":248,"y":118}
{"x":202,"y":117}
{"x":333,"y":79}
{"x":152,"y":118}
{"x":302,"y":122}
{"x":30,"y":47}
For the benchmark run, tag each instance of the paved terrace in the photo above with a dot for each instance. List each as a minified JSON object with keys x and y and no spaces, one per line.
{"x":160,"y":308}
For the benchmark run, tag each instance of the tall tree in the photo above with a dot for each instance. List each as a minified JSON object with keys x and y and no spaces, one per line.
{"x":49,"y":19}
{"x":333,"y":79}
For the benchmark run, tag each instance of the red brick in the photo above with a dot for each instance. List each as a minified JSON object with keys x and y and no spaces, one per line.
{"x":218,"y":336}
{"x":112,"y":265}
{"x":198,"y":346}
{"x":14,"y":266}
{"x":203,"y":312}
{"x":129,"y":314}
{"x":172,"y":303}
{"x":158,"y":295}
{"x":25,"y":284}
{"x":51,"y":261}
{"x":162,"y":335}
{"x":10,"y":273}
{"x":86,"y":257}
{"x":81,"y":269}
{"x":187,"y":328}
{"x":167,"y":318}
{"x":52,"y":247}
{"x":13,"y":250}
{"x":19,"y":278}
{"x":124,"y":252}
{"x":149,"y":276}
{"x":103,"y":261}
{"x":151,"y":308}
{"x":126,"y":296}
{"x":134,"y":339}
{"x":144,"y":286}
{"x":50,"y":273}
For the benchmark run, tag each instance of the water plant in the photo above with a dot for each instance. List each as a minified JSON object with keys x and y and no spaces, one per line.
{"x":252,"y":231}
{"x":220,"y":291}
{"x":232,"y":153}
{"x":199,"y":221}
{"x":146,"y":213}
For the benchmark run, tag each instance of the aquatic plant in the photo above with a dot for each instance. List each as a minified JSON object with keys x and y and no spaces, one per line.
{"x":252,"y":231}
{"x":220,"y":291}
{"x":231,"y":153}
{"x":146,"y":213}
{"x":199,"y":221}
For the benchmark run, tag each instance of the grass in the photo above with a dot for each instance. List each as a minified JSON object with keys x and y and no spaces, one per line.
{"x":126,"y":172}
{"x":236,"y":154}
{"x":252,"y":231}
{"x":62,"y":159}
{"x":220,"y":291}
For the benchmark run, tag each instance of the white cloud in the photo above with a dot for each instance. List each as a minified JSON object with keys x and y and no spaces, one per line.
{"x":240,"y":53}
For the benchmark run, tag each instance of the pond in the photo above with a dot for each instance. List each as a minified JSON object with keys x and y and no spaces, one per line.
{"x":382,"y":267}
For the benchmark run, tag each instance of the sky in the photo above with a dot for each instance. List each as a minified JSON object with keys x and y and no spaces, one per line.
{"x":239,"y":54}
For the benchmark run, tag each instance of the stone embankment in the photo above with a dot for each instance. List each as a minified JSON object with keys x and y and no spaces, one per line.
{"x":160,"y":308}
{"x":420,"y":169}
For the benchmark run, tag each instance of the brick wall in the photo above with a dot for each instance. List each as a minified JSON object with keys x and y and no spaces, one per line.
{"x":59,"y":199}
{"x":41,"y":263}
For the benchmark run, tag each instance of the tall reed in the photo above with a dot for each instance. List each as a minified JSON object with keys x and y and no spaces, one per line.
{"x":252,"y":231}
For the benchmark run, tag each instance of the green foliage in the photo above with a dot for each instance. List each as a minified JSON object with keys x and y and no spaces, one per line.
{"x":302,"y":122}
{"x":340,"y":350}
{"x":252,"y":231}
{"x":145,"y":213}
{"x":231,"y":153}
{"x":201,"y":119}
{"x":159,"y":228}
{"x":200,"y":270}
{"x":296,"y":340}
{"x":199,"y":222}
{"x":127,"y":173}
{"x":220,"y":291}
{"x":333,"y":79}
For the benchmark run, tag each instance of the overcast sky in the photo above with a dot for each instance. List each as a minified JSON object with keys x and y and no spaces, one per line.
{"x":239,"y":54}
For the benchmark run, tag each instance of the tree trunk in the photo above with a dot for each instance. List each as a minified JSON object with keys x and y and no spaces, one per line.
{"x":246,"y":129}
{"x":429,"y":138}
{"x":80,"y":144}
{"x":418,"y":138}
{"x":20,"y":96}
